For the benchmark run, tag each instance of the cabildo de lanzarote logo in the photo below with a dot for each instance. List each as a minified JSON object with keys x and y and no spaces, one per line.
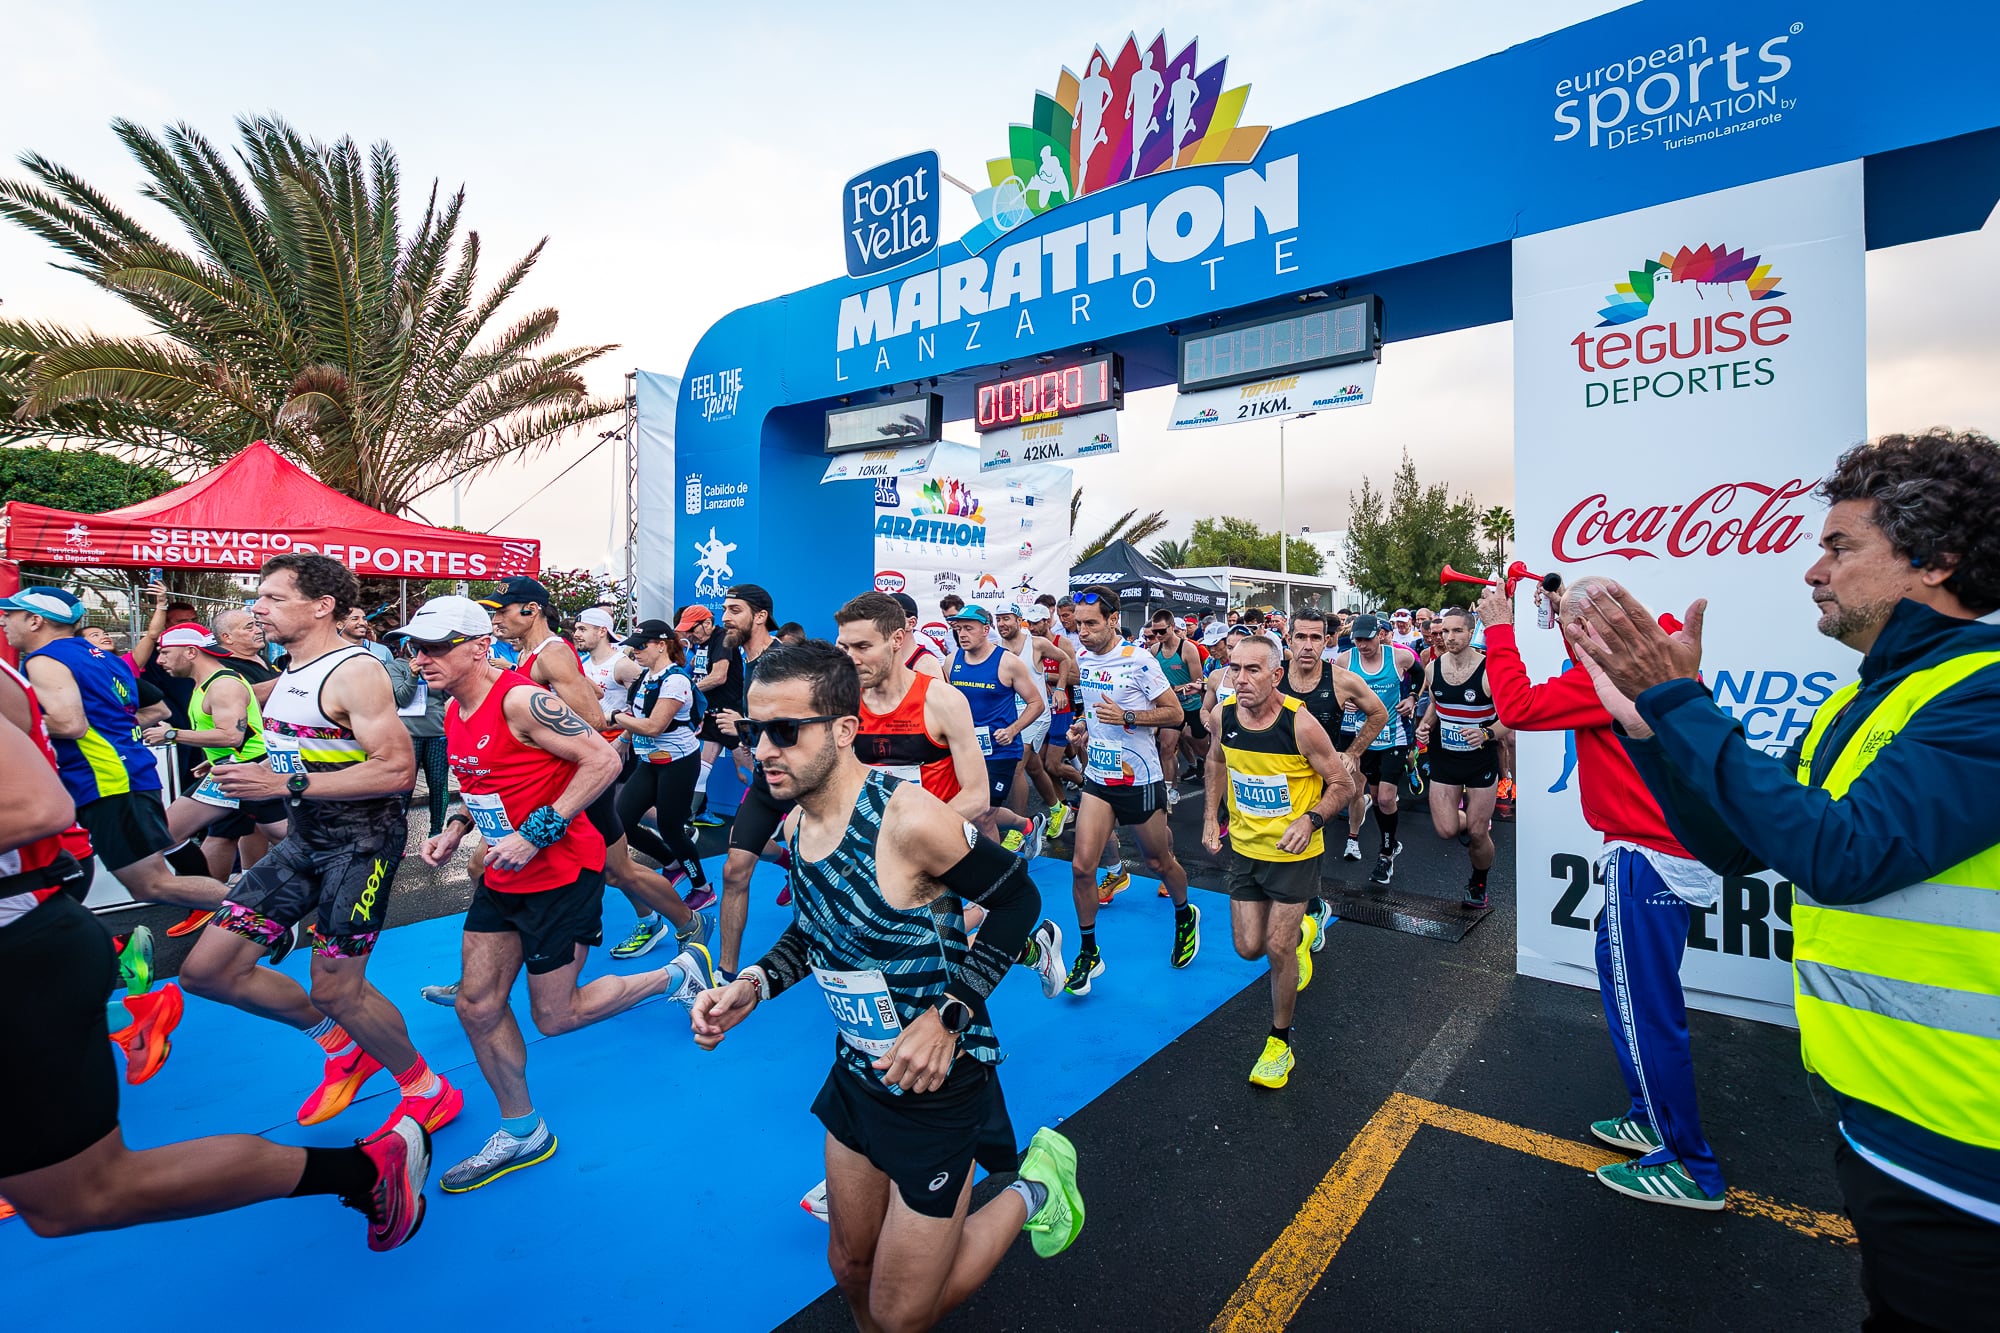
{"x":1703,"y":315}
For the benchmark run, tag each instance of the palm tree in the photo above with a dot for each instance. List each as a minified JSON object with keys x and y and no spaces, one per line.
{"x":303,"y":313}
{"x":1496,"y":525}
{"x":1127,"y":528}
{"x":1169,"y":554}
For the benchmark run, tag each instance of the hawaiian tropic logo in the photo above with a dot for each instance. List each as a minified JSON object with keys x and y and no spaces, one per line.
{"x":1710,"y":266}
{"x":1130,"y":115}
{"x":950,"y":498}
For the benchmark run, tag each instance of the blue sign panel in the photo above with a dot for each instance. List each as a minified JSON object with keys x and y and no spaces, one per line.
{"x":889,"y":214}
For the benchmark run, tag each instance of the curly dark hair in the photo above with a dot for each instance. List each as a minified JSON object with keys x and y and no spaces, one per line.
{"x":318,"y":576}
{"x":836,"y":688}
{"x":1936,"y":497}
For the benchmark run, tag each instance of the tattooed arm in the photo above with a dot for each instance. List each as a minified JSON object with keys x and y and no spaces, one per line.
{"x":540,"y":719}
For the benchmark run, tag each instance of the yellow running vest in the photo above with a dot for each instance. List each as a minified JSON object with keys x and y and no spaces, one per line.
{"x":1899,"y":998}
{"x":1270,"y":783}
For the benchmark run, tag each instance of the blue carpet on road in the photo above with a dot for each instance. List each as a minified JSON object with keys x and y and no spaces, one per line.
{"x":673,"y":1201}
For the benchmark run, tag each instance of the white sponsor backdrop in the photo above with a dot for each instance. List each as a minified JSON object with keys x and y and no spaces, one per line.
{"x":999,"y":537}
{"x":1672,"y":443}
{"x":653,"y":581}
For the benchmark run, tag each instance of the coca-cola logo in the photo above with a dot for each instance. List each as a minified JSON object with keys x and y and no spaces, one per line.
{"x":1733,"y":518}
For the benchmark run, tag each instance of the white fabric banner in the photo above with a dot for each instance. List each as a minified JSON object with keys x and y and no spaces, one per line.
{"x":998,"y":538}
{"x":653,"y":577}
{"x":1283,"y":396}
{"x":1084,"y":436}
{"x":1682,"y":377}
{"x":868,"y":464}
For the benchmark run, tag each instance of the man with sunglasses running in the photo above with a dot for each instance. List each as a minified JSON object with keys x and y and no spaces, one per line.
{"x":527,"y":769}
{"x":747,"y":615}
{"x":881,"y":872}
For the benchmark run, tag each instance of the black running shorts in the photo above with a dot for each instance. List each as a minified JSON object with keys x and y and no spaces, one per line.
{"x":927,"y":1144}
{"x":1474,"y":768}
{"x":758,"y":817}
{"x":1255,"y":881}
{"x":1379,"y":766}
{"x":57,"y":965}
{"x":551,"y":923}
{"x":344,"y":888}
{"x":244,"y":819}
{"x":125,"y":829}
{"x":1130,"y":805}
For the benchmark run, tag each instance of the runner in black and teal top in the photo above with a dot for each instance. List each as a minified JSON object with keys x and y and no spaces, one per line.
{"x":881,"y":874}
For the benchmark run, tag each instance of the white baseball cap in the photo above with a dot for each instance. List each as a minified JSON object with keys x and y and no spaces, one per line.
{"x":445,"y":618}
{"x":187,"y":636}
{"x":1007,"y":609}
{"x":1214,"y":634}
{"x":1034,"y":613}
{"x":597,"y":616}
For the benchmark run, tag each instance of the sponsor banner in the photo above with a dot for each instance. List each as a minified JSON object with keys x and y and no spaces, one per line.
{"x":952,"y":530}
{"x":1084,"y":436}
{"x":1283,"y":396}
{"x":872,"y":464}
{"x":1682,"y":377}
{"x":889,"y":214}
{"x":652,"y":572}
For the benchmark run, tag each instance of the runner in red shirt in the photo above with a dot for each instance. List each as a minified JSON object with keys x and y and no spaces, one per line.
{"x":528,"y":769}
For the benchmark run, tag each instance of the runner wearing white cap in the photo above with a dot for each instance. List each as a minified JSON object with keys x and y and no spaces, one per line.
{"x":1018,"y":636}
{"x":1402,"y":630}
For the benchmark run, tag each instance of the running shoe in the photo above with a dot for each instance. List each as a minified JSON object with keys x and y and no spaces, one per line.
{"x":281,"y":948}
{"x":644,"y":937}
{"x":1058,"y":819}
{"x":1163,"y":891}
{"x":502,"y":1154}
{"x":1051,"y":1163}
{"x":706,"y":820}
{"x":1308,"y":935}
{"x":697,"y":975}
{"x":1626,"y":1134}
{"x":1385,"y":869}
{"x":1187,"y":936}
{"x":700,"y":929}
{"x":1038,"y":833}
{"x":1322,"y":915}
{"x":149,"y":1040}
{"x":6,"y":1211}
{"x":1667,"y":1183}
{"x":815,"y":1201}
{"x":1274,"y":1066}
{"x":1013,"y":840}
{"x":135,"y":961}
{"x":444,"y":995}
{"x":433,"y":1112}
{"x":1045,"y":956}
{"x":1111,"y":886}
{"x":785,"y":894}
{"x":1088,"y":967}
{"x":1352,"y":852}
{"x":395,"y":1205}
{"x":1173,"y":795}
{"x":190,"y":923}
{"x":1474,"y":900}
{"x":342,"y":1078}
{"x":698,"y":897}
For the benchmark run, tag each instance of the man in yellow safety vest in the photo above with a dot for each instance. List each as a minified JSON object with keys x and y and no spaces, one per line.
{"x":1883,"y":820}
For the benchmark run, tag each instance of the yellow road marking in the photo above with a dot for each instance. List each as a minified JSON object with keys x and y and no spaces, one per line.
{"x":1285,"y":1275}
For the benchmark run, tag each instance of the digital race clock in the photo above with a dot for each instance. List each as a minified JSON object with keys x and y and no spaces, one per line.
{"x":1064,"y":389}
{"x":1330,"y":333}
{"x":890,"y":423}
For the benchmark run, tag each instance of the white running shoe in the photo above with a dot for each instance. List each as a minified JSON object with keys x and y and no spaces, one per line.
{"x":501,"y":1155}
{"x":444,"y":995}
{"x":815,"y":1201}
{"x":697,"y":975}
{"x":1049,"y":964}
{"x":1352,"y":852}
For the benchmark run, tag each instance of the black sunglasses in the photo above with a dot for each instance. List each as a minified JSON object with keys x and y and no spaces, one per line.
{"x":433,"y":648}
{"x":783,"y":731}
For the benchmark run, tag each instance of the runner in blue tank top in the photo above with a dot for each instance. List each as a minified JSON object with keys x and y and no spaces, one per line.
{"x":1005,"y":701}
{"x":1383,"y":665}
{"x":882,"y":872}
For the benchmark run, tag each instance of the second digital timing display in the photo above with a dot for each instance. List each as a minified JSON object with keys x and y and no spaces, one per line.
{"x":1326,"y":335}
{"x":1048,"y":392}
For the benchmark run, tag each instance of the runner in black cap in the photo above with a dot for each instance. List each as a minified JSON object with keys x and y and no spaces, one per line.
{"x":665,"y":711}
{"x":747,"y":616}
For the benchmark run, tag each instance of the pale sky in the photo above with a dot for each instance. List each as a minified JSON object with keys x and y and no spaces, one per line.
{"x":686,"y":160}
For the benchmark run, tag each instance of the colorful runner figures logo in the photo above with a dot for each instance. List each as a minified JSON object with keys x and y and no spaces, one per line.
{"x":1132,"y":115}
{"x":1710,"y":266}
{"x":947,"y":497}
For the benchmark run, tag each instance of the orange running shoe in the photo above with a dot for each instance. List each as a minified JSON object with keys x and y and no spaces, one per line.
{"x":6,"y":1211}
{"x":345,"y":1073}
{"x":148,"y":1040}
{"x":189,"y":924}
{"x":1111,"y":886}
{"x":433,"y":1112}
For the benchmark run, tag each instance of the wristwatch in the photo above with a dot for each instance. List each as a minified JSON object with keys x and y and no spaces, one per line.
{"x":955,"y":1014}
{"x":173,"y":735}
{"x":1131,"y":718}
{"x":296,"y":783}
{"x":1316,"y":819}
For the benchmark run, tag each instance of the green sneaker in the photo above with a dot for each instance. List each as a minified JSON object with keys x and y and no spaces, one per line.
{"x":1058,"y":819}
{"x":1668,"y":1182}
{"x":1014,"y":839}
{"x":1274,"y":1066}
{"x":645,"y":935}
{"x":135,"y":962}
{"x":1051,"y":1162}
{"x":1626,"y":1134}
{"x":1187,"y":936}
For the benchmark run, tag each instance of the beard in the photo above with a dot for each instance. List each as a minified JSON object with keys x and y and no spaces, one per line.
{"x":733,"y":639}
{"x":808,"y":776}
{"x":1840,"y":621}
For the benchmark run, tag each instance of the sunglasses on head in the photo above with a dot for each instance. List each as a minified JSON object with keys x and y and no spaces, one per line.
{"x":783,"y":731}
{"x":1086,"y":599}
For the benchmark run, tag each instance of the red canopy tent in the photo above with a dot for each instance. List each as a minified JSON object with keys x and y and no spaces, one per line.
{"x":253,"y":507}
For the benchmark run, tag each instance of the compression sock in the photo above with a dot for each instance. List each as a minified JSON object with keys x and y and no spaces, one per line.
{"x":1033,"y":1193}
{"x":187,"y":859}
{"x":521,"y":1126}
{"x":345,"y":1172}
{"x":331,"y":1036}
{"x":1282,"y":1034}
{"x":1388,"y":824}
{"x":418,"y":1080}
{"x":701,"y":783}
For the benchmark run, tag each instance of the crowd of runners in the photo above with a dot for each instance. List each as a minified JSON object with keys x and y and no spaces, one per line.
{"x":904,"y":787}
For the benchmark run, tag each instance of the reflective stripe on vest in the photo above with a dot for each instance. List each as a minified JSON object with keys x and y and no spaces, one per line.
{"x":1899,"y":998}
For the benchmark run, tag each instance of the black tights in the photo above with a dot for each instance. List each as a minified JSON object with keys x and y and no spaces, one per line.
{"x":437,"y":776}
{"x":669,"y":790}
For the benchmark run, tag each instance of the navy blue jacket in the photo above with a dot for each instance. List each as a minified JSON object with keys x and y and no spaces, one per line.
{"x":1923,"y":804}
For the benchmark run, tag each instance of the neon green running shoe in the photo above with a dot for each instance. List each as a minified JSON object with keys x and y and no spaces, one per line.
{"x":645,"y":935}
{"x":1308,"y":941}
{"x":1274,"y":1066}
{"x":1051,"y":1162}
{"x":135,"y":962}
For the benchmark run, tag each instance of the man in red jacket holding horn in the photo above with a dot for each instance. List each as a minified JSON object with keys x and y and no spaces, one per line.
{"x":1651,"y":885}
